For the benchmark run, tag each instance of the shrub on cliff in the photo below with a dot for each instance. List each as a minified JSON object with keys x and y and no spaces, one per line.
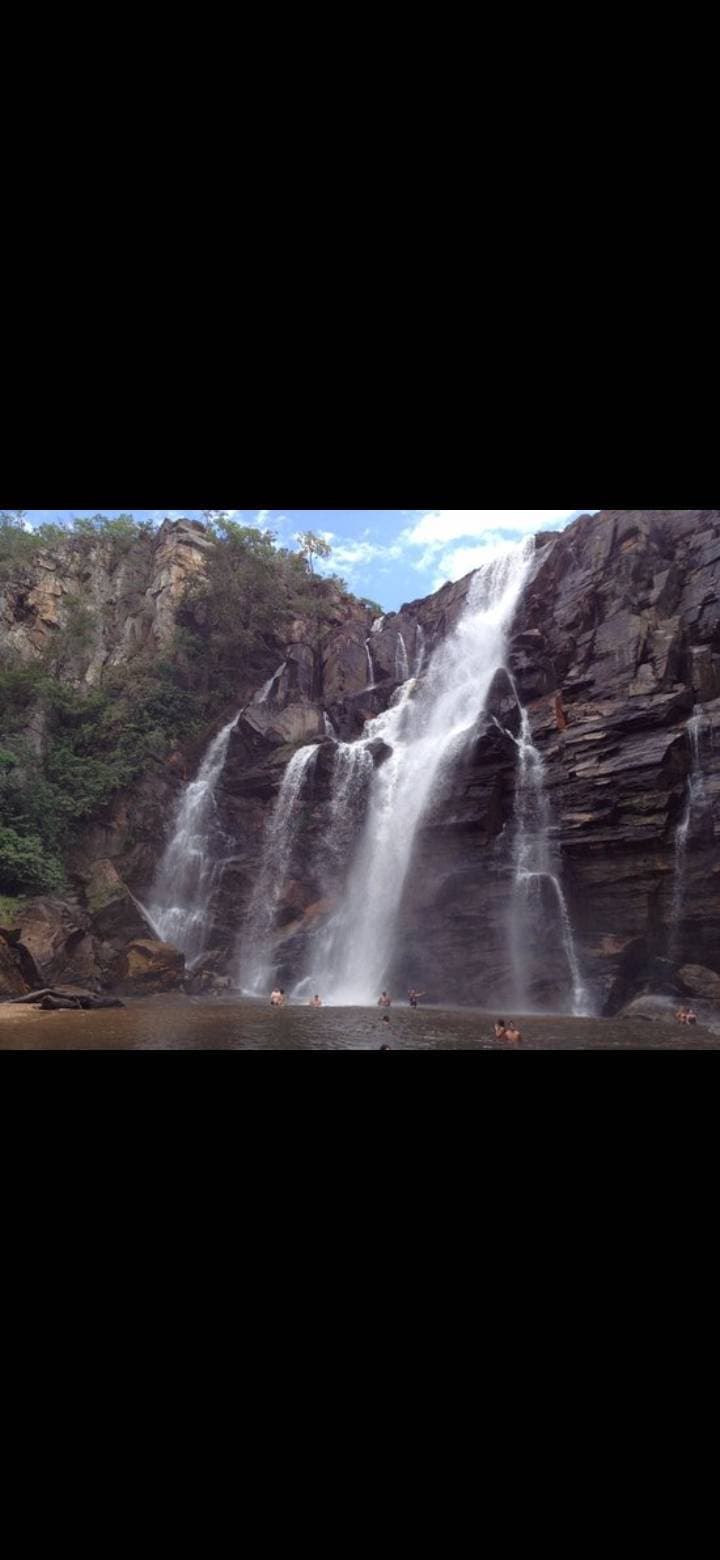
{"x":25,"y":865}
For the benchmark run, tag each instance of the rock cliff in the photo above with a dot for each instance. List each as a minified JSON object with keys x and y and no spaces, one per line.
{"x":615,"y":644}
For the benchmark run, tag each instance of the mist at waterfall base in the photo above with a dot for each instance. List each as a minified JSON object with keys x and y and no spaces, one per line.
{"x":383,"y":786}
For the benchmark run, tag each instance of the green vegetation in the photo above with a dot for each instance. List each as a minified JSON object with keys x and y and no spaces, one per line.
{"x":65,"y":752}
{"x":252,"y":592}
{"x":18,"y":545}
{"x":313,"y":546}
{"x":9,"y":910}
{"x":92,"y":744}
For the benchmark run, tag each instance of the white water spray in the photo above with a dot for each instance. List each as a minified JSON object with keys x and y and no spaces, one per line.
{"x":695,"y":799}
{"x":532,"y":874}
{"x":264,"y":693}
{"x":402,"y":668}
{"x":425,"y":726}
{"x":371,"y":673}
{"x":190,"y":867}
{"x":281,"y":830}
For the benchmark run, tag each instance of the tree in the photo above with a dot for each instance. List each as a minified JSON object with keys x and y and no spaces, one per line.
{"x":313,"y":546}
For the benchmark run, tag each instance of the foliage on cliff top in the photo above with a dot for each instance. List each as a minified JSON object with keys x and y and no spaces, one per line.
{"x":18,"y":545}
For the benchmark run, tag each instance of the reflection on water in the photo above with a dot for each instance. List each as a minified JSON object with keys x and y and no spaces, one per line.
{"x":181,"y":1023}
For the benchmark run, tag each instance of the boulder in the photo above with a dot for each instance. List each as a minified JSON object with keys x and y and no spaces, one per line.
{"x":114,"y":910}
{"x":47,"y":925}
{"x":147,"y":965}
{"x":700,"y":982}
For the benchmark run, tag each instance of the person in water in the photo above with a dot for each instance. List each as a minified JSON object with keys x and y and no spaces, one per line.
{"x":315,"y":1001}
{"x":275,"y":998}
{"x":512,"y":1032}
{"x":500,"y":1030}
{"x":384,"y":1000}
{"x":681,"y":1016}
{"x":414,"y":997}
{"x":690,"y":1016}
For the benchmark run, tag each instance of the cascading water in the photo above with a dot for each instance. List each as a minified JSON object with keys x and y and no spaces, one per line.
{"x":264,"y":693}
{"x":419,"y":650}
{"x":533,"y":876}
{"x":695,"y":800}
{"x":402,"y":667}
{"x":193,"y":859}
{"x":371,"y":672}
{"x":328,"y":727}
{"x":255,"y":948}
{"x":351,"y":780}
{"x":423,"y":729}
{"x":377,"y":624}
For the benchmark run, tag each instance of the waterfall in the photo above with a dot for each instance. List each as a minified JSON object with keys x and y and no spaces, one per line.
{"x":264,"y":693}
{"x":424,"y":728}
{"x":532,"y":874}
{"x":371,"y":673}
{"x":419,"y":649}
{"x":328,"y":727}
{"x":376,"y":625}
{"x":402,"y":668}
{"x":352,"y":776}
{"x":192,"y":861}
{"x":694,"y":800}
{"x":281,"y":830}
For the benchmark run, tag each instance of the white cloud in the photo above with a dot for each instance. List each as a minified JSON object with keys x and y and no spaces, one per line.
{"x":352,"y":554}
{"x":440,"y":526}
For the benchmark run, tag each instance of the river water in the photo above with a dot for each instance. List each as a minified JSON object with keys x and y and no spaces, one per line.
{"x":184,"y":1023}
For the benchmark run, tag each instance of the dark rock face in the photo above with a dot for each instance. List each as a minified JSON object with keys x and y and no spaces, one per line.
{"x":616,"y":640}
{"x":12,"y":980}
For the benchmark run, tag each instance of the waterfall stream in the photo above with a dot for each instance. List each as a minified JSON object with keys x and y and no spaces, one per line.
{"x":264,"y":693}
{"x":533,"y":877}
{"x":402,"y":668}
{"x":424,"y":728}
{"x":695,"y":799}
{"x":190,"y":866}
{"x":255,"y":949}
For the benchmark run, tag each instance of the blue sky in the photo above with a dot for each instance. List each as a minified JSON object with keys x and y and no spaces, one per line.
{"x":391,"y":555}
